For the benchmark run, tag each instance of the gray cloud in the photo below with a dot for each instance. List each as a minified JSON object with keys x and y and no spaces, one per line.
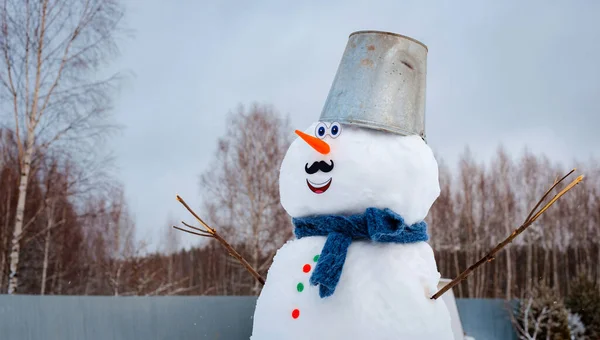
{"x":517,"y":73}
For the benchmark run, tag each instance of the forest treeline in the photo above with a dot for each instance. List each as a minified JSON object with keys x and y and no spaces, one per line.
{"x":65,"y":227}
{"x":78,"y":241}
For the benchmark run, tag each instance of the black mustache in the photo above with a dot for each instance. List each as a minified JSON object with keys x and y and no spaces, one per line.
{"x":316,"y":166}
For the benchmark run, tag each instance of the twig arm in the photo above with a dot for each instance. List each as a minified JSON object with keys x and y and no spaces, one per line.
{"x":531,"y":218}
{"x":212,"y":233}
{"x":239,"y":257}
{"x":556,"y":182}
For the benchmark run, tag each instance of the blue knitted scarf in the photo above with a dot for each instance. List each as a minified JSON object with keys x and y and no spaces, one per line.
{"x":374,"y":225}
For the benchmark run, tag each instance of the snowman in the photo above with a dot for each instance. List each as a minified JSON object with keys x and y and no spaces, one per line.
{"x":358,"y":185}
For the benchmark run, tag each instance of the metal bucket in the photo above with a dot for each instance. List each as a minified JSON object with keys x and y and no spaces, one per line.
{"x":380,"y":84}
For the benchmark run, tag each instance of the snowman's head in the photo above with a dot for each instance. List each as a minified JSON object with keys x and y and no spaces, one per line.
{"x":335,"y":169}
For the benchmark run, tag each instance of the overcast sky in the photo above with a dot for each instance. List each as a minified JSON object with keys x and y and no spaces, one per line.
{"x":512,"y":72}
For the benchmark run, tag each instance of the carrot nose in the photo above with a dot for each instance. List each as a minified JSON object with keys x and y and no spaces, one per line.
{"x":316,"y":143}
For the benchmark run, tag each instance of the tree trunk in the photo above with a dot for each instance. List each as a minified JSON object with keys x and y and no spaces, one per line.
{"x":578,"y":265}
{"x":546,"y":269}
{"x":55,"y":277}
{"x":2,"y":260}
{"x":483,"y":286}
{"x":567,"y":274}
{"x":598,"y":264}
{"x":192,"y":270}
{"x":470,"y":283}
{"x":588,"y":261}
{"x":59,"y":279}
{"x":117,"y":281}
{"x":257,"y":286}
{"x":170,"y":269}
{"x":47,"y":249}
{"x":19,"y":215}
{"x":555,"y":271}
{"x":256,"y":251}
{"x":529,"y":267}
{"x":5,"y":238}
{"x":497,"y":278}
{"x":509,"y":280}
{"x":457,"y":268}
{"x":88,"y":281}
{"x":536,"y":264}
{"x":443,"y":267}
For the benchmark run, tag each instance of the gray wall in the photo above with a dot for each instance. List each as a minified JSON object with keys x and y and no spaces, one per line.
{"x":486,"y":319}
{"x":177,"y":317}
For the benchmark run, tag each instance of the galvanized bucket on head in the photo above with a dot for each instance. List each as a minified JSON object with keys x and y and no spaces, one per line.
{"x":380,"y":84}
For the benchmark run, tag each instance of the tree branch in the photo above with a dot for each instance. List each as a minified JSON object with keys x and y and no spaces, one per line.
{"x":11,"y":84}
{"x":32,"y":219}
{"x":60,"y":69}
{"x":213,"y":233}
{"x":27,"y":45}
{"x":38,"y":69}
{"x":491,"y":255}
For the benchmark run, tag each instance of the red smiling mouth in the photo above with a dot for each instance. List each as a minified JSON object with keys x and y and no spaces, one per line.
{"x":319,"y":188}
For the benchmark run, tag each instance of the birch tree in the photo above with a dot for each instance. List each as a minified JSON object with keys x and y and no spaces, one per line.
{"x":171,"y":246}
{"x":527,"y":323}
{"x":51,"y":52}
{"x":241,"y":189}
{"x":119,"y":236}
{"x":7,"y":186}
{"x":505,"y":212}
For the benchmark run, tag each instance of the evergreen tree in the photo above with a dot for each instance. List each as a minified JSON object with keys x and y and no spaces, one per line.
{"x":584,"y":300}
{"x":576,"y":327}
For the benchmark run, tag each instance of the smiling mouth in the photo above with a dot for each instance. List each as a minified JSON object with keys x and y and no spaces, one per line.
{"x":319,"y":188}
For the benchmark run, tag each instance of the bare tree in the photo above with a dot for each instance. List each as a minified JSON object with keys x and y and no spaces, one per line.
{"x":50,"y":209}
{"x":527,"y":324}
{"x":7,"y":186}
{"x":51,"y":52}
{"x":503,"y":170}
{"x":171,"y":245}
{"x":119,"y":236}
{"x":241,"y":188}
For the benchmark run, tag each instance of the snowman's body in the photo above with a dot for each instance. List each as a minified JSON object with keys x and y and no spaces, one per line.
{"x":385,"y":288}
{"x":383,"y":294}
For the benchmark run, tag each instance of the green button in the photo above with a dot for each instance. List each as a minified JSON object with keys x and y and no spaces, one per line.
{"x":300,"y":287}
{"x":316,"y":258}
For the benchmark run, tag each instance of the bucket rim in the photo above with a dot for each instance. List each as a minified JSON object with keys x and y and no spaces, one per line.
{"x":392,"y":34}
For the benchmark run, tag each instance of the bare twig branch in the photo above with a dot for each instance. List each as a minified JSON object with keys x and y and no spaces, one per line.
{"x":191,"y":232}
{"x":547,"y":193}
{"x":12,"y":90}
{"x":33,"y":218}
{"x":491,"y":255}
{"x":208,"y":229}
{"x":213,"y":233}
{"x":43,"y":231}
{"x":556,"y":197}
{"x":167,"y":287}
{"x":192,"y":227}
{"x":182,"y":290}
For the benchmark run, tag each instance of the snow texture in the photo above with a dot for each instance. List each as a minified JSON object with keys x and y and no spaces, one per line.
{"x":385,"y":288}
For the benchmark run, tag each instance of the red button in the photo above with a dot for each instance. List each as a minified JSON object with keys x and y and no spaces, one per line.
{"x":295,"y":313}
{"x":306,"y":268}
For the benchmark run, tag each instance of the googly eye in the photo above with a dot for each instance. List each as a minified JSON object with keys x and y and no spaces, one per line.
{"x":321,"y":130}
{"x":335,"y":129}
